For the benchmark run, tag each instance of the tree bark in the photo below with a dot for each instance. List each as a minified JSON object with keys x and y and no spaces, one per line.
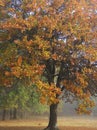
{"x":15,"y":113}
{"x":53,"y":118}
{"x":50,"y":68}
{"x":4,"y":114}
{"x":11,"y":114}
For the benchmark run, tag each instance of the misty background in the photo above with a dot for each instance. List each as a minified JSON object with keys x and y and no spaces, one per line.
{"x":39,"y":110}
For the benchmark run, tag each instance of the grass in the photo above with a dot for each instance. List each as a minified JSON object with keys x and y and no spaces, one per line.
{"x":38,"y":123}
{"x":42,"y":121}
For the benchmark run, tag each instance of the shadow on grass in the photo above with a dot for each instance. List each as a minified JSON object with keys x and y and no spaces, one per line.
{"x":41,"y":128}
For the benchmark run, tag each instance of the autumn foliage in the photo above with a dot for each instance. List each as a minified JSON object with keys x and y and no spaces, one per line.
{"x":51,"y":44}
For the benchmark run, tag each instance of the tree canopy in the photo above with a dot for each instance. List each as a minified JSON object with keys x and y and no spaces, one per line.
{"x":52,"y":44}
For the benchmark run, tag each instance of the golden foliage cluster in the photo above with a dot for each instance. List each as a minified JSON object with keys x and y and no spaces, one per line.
{"x":32,"y":39}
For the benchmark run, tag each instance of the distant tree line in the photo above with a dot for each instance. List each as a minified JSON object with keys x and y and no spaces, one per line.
{"x":20,"y":102}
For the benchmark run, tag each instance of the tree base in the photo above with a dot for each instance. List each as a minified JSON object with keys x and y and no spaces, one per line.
{"x":51,"y":128}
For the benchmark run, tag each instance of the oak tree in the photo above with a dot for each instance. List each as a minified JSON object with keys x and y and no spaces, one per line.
{"x":52,"y":44}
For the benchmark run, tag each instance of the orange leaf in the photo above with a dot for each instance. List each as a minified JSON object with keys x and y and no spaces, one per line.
{"x":7,"y":73}
{"x":19,"y":60}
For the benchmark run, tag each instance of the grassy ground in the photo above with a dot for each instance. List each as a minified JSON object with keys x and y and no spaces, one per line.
{"x":41,"y":128}
{"x":38,"y":123}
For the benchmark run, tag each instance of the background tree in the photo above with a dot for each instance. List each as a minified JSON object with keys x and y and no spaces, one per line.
{"x":55,"y":39}
{"x":20,"y":102}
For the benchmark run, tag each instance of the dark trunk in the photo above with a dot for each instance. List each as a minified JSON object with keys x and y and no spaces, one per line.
{"x":53,"y":118}
{"x":21,"y":114}
{"x":15,"y":113}
{"x":11,"y":114}
{"x":50,"y":69}
{"x":4,"y":114}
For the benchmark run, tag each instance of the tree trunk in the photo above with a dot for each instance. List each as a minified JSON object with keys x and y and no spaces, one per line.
{"x":11,"y":114}
{"x":4,"y":114}
{"x":15,"y":113}
{"x":53,"y":118}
